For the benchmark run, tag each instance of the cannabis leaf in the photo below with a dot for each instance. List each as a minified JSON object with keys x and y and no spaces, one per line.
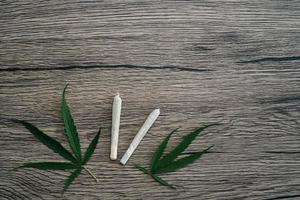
{"x":77,"y":162}
{"x":170,"y":162}
{"x":70,"y":127}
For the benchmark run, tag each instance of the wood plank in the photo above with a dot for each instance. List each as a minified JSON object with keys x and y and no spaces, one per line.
{"x":256,"y":153}
{"x":194,"y":34}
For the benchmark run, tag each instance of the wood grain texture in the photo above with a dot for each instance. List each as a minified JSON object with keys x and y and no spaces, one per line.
{"x":233,"y":62}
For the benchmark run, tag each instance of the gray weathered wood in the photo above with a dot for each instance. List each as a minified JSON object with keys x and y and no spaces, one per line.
{"x":233,"y":62}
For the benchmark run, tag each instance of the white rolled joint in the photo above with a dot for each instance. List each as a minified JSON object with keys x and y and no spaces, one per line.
{"x":116,"y":114}
{"x":140,"y":135}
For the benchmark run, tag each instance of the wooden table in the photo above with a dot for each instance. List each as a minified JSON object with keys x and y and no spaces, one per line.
{"x":232,"y":62}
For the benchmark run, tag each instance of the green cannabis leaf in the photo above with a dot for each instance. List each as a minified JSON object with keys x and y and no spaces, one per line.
{"x":170,"y":162}
{"x":77,"y":162}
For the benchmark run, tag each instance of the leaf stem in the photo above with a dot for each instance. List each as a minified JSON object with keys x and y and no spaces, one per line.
{"x":155,"y":177}
{"x":89,"y":171}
